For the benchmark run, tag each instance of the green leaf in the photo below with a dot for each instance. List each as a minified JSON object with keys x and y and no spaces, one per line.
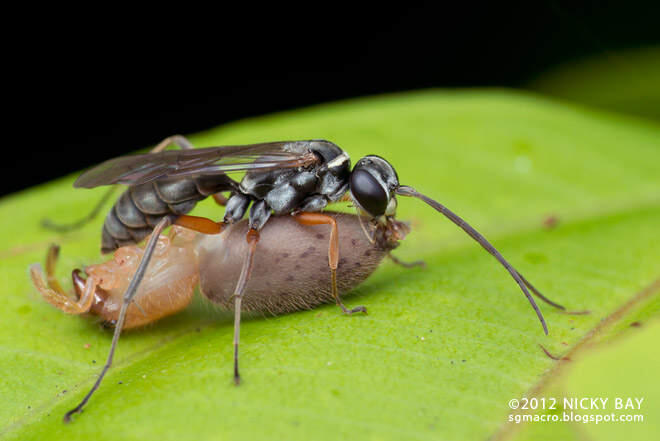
{"x":621,"y":373}
{"x":443,"y":349}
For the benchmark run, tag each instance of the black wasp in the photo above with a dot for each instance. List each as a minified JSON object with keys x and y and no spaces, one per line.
{"x":296,"y":178}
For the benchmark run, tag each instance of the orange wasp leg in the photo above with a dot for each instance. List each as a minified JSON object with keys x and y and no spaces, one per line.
{"x":199,"y":224}
{"x":308,"y":218}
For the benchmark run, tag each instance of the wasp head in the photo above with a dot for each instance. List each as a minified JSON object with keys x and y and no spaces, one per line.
{"x":373,"y":186}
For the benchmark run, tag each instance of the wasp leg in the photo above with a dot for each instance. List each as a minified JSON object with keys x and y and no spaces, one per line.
{"x":200,"y":224}
{"x":53,"y":292}
{"x":65,"y":228}
{"x":307,"y":218}
{"x":252,"y":238}
{"x":177,"y":140}
{"x":128,"y":298}
{"x":396,"y":260}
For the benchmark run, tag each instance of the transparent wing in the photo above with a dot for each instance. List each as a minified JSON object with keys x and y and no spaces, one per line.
{"x":141,"y":168}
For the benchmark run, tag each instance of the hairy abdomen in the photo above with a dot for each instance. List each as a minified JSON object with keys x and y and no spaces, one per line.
{"x":291,"y":269}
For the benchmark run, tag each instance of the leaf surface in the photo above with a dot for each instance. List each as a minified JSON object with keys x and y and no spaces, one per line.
{"x":442,"y":350}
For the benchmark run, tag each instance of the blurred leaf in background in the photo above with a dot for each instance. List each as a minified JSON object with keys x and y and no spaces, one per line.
{"x":626,"y":81}
{"x":443,"y":349}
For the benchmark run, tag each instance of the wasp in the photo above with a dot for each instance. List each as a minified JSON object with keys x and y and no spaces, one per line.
{"x":285,"y":190}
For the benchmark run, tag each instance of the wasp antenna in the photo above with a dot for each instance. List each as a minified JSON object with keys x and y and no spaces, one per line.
{"x":405,"y":190}
{"x":538,"y":294}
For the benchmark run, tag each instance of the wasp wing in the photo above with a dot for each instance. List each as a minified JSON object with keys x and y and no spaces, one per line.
{"x":141,"y":168}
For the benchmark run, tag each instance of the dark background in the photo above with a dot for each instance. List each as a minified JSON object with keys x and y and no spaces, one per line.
{"x":89,"y":85}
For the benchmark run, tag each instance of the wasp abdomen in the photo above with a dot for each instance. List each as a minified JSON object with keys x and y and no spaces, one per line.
{"x":142,"y":206}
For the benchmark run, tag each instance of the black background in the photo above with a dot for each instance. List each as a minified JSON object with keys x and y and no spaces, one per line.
{"x":92,"y":84}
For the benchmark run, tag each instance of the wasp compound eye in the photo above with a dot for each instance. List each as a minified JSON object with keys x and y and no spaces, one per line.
{"x":369,"y":193}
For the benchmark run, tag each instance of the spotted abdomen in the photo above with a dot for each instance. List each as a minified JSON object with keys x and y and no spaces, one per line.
{"x":290,"y":271}
{"x":142,"y":206}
